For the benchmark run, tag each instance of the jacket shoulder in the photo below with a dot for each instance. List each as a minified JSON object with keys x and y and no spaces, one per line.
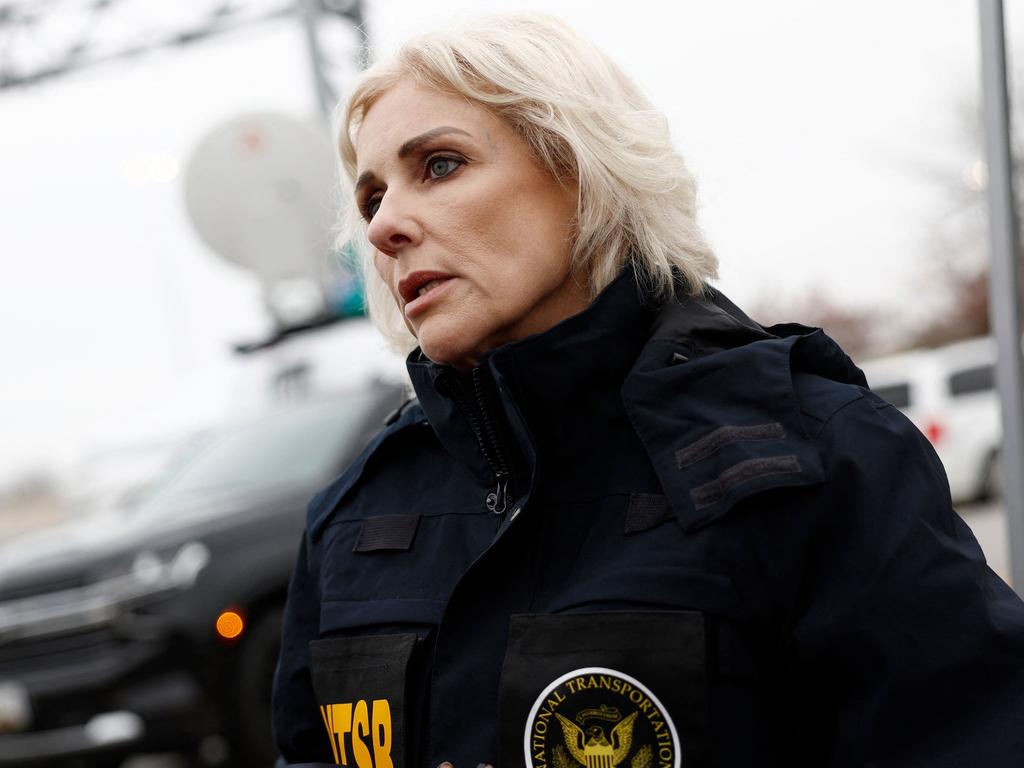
{"x":820,"y":398}
{"x":402,"y":423}
{"x":877,"y":440}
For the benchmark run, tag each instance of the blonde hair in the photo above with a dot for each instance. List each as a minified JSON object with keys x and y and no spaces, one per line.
{"x":583,"y":119}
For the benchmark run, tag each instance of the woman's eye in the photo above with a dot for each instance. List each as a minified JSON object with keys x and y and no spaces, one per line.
{"x":439,"y":167}
{"x":370,"y":207}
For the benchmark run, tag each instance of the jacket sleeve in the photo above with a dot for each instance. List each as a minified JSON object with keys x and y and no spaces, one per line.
{"x":298,"y":727}
{"x":909,"y":649}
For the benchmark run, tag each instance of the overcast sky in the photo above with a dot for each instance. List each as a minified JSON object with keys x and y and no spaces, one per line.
{"x":822,"y":135}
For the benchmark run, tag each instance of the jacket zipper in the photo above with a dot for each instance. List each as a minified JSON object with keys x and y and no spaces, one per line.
{"x":474,"y":406}
{"x":497,"y":500}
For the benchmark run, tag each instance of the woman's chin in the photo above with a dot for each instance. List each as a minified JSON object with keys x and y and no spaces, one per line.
{"x":445,"y":349}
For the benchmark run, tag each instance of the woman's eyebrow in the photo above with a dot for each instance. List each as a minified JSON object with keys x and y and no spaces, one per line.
{"x":411,"y":146}
{"x":365,"y":178}
{"x":414,"y":143}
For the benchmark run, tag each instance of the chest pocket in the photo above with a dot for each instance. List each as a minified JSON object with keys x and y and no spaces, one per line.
{"x":370,"y":676}
{"x":605,"y":690}
{"x":385,"y":578}
{"x":362,"y":685}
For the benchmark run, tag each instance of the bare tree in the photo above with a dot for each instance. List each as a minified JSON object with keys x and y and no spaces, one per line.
{"x":854,"y":328}
{"x":958,"y":245}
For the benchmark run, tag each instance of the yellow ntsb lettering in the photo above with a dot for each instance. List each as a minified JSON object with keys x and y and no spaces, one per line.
{"x":365,"y":728}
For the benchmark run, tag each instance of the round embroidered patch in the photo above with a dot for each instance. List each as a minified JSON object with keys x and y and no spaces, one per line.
{"x":596,"y":717}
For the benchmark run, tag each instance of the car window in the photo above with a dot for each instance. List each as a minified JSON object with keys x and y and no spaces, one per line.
{"x":970,"y":380}
{"x":297,"y":447}
{"x":894,"y":394}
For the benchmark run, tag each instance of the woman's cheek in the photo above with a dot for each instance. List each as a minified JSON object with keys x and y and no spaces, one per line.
{"x":383,"y":265}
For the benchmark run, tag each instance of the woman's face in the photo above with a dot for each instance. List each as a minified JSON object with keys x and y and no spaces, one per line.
{"x":472,"y":236}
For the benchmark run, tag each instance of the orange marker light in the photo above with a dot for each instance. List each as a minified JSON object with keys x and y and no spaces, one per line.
{"x":230,"y":625}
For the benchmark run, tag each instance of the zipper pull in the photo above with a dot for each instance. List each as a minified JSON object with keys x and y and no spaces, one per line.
{"x":497,"y":500}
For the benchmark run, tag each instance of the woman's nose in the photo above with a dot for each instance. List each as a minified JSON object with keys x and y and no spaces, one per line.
{"x":393,"y":227}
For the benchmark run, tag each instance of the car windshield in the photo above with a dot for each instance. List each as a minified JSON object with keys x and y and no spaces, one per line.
{"x":293,"y":448}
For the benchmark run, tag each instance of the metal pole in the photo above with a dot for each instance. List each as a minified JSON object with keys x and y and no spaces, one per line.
{"x":1003,"y":275}
{"x":324,"y":94}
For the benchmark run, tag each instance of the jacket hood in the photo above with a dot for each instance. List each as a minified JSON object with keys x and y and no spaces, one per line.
{"x":719,"y":402}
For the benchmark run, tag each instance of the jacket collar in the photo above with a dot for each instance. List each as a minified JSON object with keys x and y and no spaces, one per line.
{"x":544,"y":385}
{"x":709,"y":392}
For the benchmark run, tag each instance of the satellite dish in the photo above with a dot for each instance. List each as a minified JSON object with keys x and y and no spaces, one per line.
{"x":259,"y":190}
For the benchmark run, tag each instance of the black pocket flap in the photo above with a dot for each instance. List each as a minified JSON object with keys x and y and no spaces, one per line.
{"x":407,"y":611}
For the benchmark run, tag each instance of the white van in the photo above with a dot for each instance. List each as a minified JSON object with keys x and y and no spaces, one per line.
{"x":949,"y":393}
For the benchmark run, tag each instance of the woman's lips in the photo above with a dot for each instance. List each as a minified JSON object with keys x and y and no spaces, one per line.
{"x":410,"y":285}
{"x":427,"y":294}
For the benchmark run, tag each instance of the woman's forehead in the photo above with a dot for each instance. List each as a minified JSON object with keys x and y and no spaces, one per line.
{"x":409,"y":110}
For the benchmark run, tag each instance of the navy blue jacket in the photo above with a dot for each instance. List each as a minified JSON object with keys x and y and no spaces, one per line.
{"x":650,"y":537}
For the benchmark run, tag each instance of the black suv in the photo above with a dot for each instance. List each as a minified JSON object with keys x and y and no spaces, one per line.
{"x":157,"y":628}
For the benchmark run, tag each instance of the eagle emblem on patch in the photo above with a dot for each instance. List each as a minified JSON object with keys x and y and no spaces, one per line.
{"x":597,"y":717}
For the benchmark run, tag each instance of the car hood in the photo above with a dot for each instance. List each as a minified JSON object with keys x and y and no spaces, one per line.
{"x":78,"y":551}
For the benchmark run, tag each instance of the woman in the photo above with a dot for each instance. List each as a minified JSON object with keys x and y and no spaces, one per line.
{"x":622,"y":525}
